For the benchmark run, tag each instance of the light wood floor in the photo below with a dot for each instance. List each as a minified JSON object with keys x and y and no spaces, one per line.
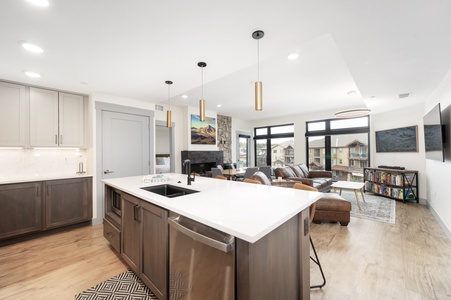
{"x":366,"y":260}
{"x":375,"y":260}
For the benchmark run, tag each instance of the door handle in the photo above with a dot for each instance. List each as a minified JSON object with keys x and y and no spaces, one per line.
{"x":107,"y":172}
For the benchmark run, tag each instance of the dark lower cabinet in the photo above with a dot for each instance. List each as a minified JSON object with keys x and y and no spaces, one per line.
{"x":67,"y":201}
{"x":31,"y":207}
{"x":155,"y":245}
{"x":20,"y":209}
{"x":145,"y":242}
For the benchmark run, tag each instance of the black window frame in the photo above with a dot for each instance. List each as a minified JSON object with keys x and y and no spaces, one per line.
{"x":328,"y":132}
{"x":268,"y":138}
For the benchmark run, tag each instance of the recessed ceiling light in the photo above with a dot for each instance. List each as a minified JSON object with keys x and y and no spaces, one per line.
{"x":32,"y":74}
{"x":42,"y":3}
{"x":84,"y":83}
{"x":31,"y":47}
{"x":185,"y":96}
{"x":293,"y":56}
{"x":351,"y":93}
{"x":219,"y":105}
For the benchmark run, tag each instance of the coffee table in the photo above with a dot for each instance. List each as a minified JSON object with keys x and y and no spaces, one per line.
{"x":349,"y":185}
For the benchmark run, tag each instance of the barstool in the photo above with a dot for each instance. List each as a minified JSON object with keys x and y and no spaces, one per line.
{"x":301,"y":186}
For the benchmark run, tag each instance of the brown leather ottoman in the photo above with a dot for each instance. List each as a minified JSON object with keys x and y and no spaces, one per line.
{"x":332,"y":207}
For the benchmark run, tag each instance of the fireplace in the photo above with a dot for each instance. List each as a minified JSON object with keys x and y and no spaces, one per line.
{"x":203,"y":161}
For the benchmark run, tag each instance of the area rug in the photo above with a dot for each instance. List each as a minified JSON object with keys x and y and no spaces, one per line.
{"x":376,"y":208}
{"x":125,"y":286}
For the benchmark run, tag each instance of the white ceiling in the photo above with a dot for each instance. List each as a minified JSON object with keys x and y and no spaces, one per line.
{"x":130,"y":48}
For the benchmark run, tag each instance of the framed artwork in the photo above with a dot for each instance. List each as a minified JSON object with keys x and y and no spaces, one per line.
{"x":397,"y":140}
{"x":203,"y":132}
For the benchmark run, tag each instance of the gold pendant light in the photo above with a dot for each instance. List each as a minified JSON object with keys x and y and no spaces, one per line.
{"x":169,"y":112}
{"x":258,"y":84}
{"x":202,"y":65}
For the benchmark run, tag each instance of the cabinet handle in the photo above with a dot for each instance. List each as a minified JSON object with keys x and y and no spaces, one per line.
{"x":56,"y":139}
{"x":47,"y":190}
{"x":37,"y":192}
{"x":136,"y":215}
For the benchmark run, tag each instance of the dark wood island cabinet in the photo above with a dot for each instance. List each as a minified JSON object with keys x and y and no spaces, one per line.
{"x":273,"y":265}
{"x":145,"y":242}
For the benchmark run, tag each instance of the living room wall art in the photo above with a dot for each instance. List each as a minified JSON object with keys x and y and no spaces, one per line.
{"x":397,"y":140}
{"x":203,"y":132}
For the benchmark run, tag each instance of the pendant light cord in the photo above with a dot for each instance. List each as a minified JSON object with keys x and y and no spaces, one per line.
{"x":258,"y":60}
{"x":169,"y":96}
{"x":202,"y":81}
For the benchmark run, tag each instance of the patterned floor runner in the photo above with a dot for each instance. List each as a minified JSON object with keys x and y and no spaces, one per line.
{"x":125,"y":286}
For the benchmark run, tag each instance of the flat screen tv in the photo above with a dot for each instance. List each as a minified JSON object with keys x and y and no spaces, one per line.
{"x":433,"y":134}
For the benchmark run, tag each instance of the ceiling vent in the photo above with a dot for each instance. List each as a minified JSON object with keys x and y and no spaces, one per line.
{"x":405,"y":95}
{"x":159,"y":107}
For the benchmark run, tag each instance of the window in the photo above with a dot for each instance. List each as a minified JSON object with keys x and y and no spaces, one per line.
{"x":276,"y":140}
{"x":243,"y":150}
{"x":340,"y":146}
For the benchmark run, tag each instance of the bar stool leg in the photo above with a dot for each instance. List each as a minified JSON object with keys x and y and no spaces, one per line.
{"x":316,"y":261}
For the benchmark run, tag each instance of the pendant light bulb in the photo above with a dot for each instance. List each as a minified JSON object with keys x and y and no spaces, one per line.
{"x":169,"y":112}
{"x":202,"y":65}
{"x":257,"y":35}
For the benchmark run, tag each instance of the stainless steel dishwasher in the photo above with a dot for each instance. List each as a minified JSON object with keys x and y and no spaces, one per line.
{"x":201,"y":261}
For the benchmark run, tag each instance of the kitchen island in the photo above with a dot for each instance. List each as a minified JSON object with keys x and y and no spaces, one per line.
{"x":270,"y":226}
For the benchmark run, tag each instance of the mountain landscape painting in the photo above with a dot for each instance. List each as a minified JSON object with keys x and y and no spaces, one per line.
{"x":203,"y":132}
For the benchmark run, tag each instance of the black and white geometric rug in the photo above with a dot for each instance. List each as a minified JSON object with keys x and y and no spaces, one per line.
{"x":125,"y":286}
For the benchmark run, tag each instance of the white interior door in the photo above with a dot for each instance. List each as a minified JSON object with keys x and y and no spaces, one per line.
{"x":126,"y":145}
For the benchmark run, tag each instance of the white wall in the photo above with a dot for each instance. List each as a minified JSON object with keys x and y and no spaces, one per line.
{"x":162,"y":140}
{"x":243,"y":127}
{"x":410,"y":160}
{"x":438,"y":173}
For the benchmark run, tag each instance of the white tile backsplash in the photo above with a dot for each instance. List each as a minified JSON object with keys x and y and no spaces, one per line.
{"x":40,"y":163}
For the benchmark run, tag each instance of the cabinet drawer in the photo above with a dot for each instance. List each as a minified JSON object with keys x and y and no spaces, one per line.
{"x":112,"y":234}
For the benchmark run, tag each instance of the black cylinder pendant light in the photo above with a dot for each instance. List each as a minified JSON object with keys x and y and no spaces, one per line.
{"x":258,"y":84}
{"x":169,"y":112}
{"x":202,"y":65}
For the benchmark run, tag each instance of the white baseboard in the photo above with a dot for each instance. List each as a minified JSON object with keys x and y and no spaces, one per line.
{"x":96,"y":221}
{"x":446,"y":230}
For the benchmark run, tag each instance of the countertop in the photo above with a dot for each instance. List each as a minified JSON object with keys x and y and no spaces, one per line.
{"x":244,"y":210}
{"x":23,"y":179}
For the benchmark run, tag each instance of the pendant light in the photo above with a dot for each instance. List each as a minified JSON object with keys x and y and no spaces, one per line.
{"x":257,"y":35}
{"x":202,"y":65}
{"x":169,"y":112}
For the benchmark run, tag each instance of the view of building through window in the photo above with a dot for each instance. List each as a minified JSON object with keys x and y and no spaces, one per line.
{"x":340,"y":146}
{"x":274,"y":145}
{"x":349,"y":155}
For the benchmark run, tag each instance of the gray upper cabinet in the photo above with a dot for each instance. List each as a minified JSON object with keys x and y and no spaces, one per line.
{"x":56,"y":119}
{"x":13,"y":115}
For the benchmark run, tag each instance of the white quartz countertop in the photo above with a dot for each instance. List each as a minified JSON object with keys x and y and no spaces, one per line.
{"x":23,"y":179}
{"x":244,"y":210}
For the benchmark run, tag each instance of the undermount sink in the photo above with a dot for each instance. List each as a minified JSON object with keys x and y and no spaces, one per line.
{"x":167,"y":190}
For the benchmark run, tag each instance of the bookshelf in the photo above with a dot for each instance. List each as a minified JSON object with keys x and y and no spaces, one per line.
{"x":392,"y":183}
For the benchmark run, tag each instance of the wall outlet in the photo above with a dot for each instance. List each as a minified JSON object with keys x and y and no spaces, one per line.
{"x":70,"y":160}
